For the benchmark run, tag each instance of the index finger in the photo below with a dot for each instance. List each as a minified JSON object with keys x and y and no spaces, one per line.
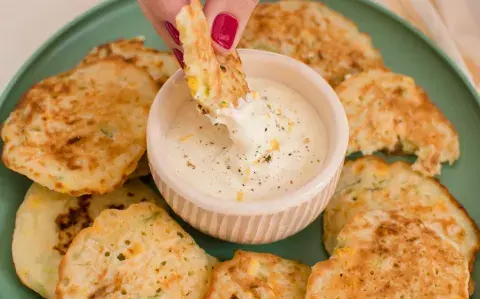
{"x":162,"y":13}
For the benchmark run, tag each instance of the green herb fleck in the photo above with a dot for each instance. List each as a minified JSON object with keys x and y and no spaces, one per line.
{"x":379,"y":184}
{"x":107,"y":133}
{"x":347,"y":187}
{"x":153,"y":217}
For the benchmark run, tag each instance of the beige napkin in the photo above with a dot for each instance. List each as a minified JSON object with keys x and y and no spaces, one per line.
{"x":454,"y":25}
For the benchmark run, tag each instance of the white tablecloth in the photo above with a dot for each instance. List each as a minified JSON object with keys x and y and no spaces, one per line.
{"x":453,"y":25}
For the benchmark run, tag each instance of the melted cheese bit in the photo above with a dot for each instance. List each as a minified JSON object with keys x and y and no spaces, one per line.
{"x":240,"y":196}
{"x":186,"y":137}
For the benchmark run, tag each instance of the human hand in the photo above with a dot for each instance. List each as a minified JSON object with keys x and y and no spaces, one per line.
{"x":227,"y":20}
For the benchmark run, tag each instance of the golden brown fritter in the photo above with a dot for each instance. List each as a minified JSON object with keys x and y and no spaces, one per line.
{"x":258,"y":275}
{"x":384,"y":255}
{"x":82,"y":131}
{"x":215,"y":81}
{"x":139,"y":252}
{"x":369,"y":183}
{"x":388,"y":111}
{"x":48,"y":221}
{"x":314,"y":34}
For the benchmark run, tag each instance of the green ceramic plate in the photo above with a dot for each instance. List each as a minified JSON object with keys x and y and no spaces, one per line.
{"x":404,"y":49}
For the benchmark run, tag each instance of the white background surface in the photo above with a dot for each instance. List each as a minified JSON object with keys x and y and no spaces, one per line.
{"x":26,"y":24}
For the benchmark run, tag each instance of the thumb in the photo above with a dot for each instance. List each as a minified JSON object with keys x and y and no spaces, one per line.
{"x":227,"y":20}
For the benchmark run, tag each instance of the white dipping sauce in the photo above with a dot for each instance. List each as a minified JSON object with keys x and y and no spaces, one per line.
{"x":279,"y":144}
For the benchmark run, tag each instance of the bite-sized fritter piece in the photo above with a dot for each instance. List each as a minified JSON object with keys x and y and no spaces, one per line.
{"x":215,"y":81}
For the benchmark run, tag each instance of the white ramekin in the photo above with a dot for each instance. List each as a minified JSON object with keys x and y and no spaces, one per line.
{"x":261,"y":221}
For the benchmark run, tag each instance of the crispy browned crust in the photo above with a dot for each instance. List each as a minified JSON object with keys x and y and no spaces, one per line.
{"x":407,"y":166}
{"x":63,"y":146}
{"x":240,"y":262}
{"x":408,"y":246}
{"x":428,"y":107}
{"x":473,"y":224}
{"x":133,"y":51}
{"x":416,"y":125}
{"x":314,"y":34}
{"x":61,"y":268}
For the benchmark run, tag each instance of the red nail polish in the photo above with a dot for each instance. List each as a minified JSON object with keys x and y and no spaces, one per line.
{"x":173,"y":32}
{"x":179,"y":55}
{"x":224,"y":30}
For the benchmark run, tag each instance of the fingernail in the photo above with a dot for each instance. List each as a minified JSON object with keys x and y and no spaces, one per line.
{"x":173,"y":32}
{"x":224,"y":30}
{"x":179,"y":55}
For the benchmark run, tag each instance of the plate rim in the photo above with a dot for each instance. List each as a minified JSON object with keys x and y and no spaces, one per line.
{"x":107,"y":4}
